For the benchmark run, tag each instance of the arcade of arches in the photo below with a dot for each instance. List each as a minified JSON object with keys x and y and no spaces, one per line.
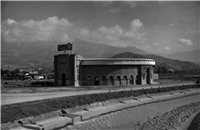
{"x":116,"y":75}
{"x":110,"y":80}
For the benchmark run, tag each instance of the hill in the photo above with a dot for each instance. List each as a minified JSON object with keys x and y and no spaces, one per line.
{"x":95,"y":50}
{"x":192,"y":56}
{"x":128,"y":55}
{"x":161,"y":61}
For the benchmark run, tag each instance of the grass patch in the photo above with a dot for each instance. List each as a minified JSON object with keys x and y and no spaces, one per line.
{"x":14,"y":112}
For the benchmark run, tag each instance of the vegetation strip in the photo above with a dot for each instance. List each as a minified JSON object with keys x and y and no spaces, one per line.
{"x":10,"y":113}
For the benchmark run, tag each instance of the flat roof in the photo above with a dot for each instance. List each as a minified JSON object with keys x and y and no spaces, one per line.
{"x":117,"y":61}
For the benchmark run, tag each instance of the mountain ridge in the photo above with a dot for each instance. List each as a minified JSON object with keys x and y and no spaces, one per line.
{"x":192,"y":56}
{"x":161,"y":61}
{"x":41,"y":54}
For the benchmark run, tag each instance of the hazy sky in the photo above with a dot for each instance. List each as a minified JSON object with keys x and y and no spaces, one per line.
{"x":158,"y":27}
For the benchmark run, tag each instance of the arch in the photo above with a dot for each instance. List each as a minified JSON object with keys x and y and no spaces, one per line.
{"x":118,"y":80}
{"x":131,"y":80}
{"x":63,"y":79}
{"x":137,"y":79}
{"x":111,"y":80}
{"x":103,"y":79}
{"x":89,"y":80}
{"x":96,"y":80}
{"x":125,"y":80}
{"x":148,"y":77}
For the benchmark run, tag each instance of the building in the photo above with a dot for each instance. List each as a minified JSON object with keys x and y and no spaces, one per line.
{"x":74,"y":70}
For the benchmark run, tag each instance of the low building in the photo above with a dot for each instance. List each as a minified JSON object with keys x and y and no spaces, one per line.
{"x":74,"y":70}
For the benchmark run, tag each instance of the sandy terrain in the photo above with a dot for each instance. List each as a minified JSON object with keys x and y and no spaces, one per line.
{"x":11,"y":96}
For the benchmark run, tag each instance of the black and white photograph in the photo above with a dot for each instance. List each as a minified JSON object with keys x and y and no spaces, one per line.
{"x":100,"y":65}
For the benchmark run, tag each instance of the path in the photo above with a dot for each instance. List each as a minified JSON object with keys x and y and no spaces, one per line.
{"x":12,"y":98}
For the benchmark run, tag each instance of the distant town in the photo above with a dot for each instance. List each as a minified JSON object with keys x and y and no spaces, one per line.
{"x":27,"y":74}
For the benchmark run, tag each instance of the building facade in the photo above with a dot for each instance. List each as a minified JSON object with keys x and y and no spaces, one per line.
{"x":73,"y":70}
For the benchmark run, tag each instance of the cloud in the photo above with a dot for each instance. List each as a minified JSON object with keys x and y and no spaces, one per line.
{"x":134,"y":4}
{"x":116,"y":35}
{"x":171,"y":25}
{"x":131,"y":3}
{"x":51,"y":29}
{"x":167,"y":48}
{"x":115,"y":10}
{"x":187,"y":42}
{"x":104,"y":3}
{"x":54,"y":29}
{"x":161,"y":1}
{"x":136,"y":24}
{"x":156,"y":44}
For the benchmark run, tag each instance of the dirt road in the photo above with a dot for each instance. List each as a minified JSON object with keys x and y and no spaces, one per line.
{"x":12,"y":98}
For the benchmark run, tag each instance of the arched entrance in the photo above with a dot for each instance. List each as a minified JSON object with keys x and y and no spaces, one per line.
{"x":111,"y":80}
{"x":63,"y":79}
{"x":96,"y":80}
{"x":148,"y":78}
{"x":131,"y":80}
{"x":137,"y":79}
{"x":89,"y":80}
{"x":118,"y":81}
{"x":103,"y":80}
{"x":125,"y":80}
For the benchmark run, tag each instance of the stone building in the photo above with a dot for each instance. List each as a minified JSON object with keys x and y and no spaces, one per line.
{"x":74,"y":70}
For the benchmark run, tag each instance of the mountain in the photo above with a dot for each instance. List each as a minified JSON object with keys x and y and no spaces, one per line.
{"x":24,"y":55}
{"x":161,"y":61}
{"x":94,"y":50}
{"x":128,"y":55}
{"x":192,"y":56}
{"x":41,"y":54}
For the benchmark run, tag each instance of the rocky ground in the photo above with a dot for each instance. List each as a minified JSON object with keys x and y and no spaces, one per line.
{"x":171,"y":120}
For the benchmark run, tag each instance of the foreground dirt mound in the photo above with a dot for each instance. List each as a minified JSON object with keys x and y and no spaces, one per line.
{"x":173,"y":119}
{"x":195,"y":124}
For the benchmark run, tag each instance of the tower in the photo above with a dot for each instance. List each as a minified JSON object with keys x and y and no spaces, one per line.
{"x":66,"y":67}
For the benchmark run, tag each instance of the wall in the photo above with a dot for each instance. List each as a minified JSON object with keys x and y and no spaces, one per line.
{"x":107,"y":71}
{"x":146,"y":77}
{"x":64,"y":67}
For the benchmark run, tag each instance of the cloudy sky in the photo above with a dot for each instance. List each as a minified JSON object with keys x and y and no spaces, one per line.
{"x":158,"y":27}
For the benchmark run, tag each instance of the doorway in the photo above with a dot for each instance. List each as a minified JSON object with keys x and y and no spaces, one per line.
{"x":96,"y":80}
{"x":148,"y":80}
{"x":63,"y":79}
